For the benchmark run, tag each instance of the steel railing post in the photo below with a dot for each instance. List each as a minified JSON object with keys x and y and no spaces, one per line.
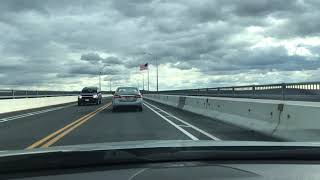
{"x":233,"y":92}
{"x":283,"y":89}
{"x":253,"y":90}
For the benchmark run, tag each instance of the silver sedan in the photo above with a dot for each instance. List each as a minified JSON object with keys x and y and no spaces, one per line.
{"x":127,"y":97}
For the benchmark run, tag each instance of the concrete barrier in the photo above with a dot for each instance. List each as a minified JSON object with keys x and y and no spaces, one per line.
{"x":300,"y":121}
{"x":11,"y":105}
{"x":290,"y":120}
{"x":169,"y":100}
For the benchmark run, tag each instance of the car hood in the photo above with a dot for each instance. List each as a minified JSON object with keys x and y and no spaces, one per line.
{"x":156,"y":144}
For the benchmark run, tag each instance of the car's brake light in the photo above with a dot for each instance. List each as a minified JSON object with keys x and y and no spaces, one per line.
{"x":116,"y":96}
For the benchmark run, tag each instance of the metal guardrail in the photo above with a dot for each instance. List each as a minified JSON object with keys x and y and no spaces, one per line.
{"x":306,"y":91}
{"x":16,"y":94}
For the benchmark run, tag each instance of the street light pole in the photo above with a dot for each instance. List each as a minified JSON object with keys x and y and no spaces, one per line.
{"x":148,"y":80}
{"x":100,"y":73}
{"x":100,"y":80}
{"x":110,"y":84}
{"x":142,"y":81}
{"x":157,"y":66}
{"x":157,"y":73}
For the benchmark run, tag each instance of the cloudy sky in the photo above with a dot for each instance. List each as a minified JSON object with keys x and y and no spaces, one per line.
{"x":64,"y":44}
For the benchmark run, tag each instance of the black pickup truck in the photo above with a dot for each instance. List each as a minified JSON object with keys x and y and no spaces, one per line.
{"x":89,"y":95}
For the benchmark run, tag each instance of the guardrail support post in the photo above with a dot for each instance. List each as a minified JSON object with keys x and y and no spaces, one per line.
{"x":283,"y":89}
{"x":253,"y":90}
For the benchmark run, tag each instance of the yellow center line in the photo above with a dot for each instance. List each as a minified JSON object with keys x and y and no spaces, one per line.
{"x":69,"y":130}
{"x":91,"y":114}
{"x":58,"y":131}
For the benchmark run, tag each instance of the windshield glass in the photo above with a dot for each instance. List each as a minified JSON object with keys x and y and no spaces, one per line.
{"x":228,"y":71}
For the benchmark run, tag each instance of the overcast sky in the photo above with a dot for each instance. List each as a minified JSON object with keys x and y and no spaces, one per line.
{"x":64,"y":44}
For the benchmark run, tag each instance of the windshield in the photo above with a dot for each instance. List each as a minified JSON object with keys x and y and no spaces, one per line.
{"x":224,"y":71}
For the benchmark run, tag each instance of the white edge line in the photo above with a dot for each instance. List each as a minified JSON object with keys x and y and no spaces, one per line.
{"x":137,"y":173}
{"x":190,"y":125}
{"x":31,"y":113}
{"x":173,"y":124}
{"x":184,"y":126}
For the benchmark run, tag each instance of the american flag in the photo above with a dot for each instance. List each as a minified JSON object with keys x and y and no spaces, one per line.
{"x":144,"y":67}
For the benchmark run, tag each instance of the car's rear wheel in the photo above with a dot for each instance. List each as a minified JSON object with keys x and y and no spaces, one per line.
{"x":140,"y":109}
{"x":79,"y":104}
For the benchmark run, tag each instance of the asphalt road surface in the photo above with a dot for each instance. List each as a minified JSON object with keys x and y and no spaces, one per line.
{"x":70,"y":124}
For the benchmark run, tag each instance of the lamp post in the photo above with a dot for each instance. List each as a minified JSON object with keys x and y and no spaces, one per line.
{"x":110,"y":85}
{"x":100,"y":80}
{"x":100,"y":73}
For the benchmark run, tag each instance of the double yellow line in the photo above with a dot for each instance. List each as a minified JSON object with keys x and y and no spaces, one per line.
{"x":57,"y":135}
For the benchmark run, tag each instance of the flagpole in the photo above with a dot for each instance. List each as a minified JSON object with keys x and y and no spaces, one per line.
{"x":100,"y":81}
{"x":142,"y":80}
{"x":138,"y":85}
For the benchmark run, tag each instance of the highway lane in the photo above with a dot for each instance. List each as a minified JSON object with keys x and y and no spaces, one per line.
{"x":70,"y":124}
{"x":20,"y":133}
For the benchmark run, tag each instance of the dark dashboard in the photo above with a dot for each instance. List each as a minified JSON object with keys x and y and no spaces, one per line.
{"x":182,"y":170}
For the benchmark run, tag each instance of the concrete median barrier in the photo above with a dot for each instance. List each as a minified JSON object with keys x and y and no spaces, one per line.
{"x":11,"y":105}
{"x":290,"y":120}
{"x":300,"y":121}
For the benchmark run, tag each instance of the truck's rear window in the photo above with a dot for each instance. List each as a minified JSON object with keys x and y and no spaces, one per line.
{"x":89,"y":90}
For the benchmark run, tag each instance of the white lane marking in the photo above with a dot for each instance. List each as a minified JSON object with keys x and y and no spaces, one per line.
{"x":29,"y":114}
{"x":32,"y":113}
{"x":137,"y":173}
{"x":186,"y":123}
{"x":183,"y":125}
{"x":173,"y":124}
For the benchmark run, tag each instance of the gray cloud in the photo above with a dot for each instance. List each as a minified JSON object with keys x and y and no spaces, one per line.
{"x":91,"y":57}
{"x":45,"y":40}
{"x":112,"y":61}
{"x":263,"y":7}
{"x":117,"y":77}
{"x":91,"y":69}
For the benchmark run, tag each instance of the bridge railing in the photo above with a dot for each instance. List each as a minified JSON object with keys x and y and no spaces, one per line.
{"x":306,"y":91}
{"x":16,"y":94}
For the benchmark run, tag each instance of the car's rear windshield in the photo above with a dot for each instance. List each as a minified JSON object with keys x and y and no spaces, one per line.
{"x":89,"y":90}
{"x":127,"y":90}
